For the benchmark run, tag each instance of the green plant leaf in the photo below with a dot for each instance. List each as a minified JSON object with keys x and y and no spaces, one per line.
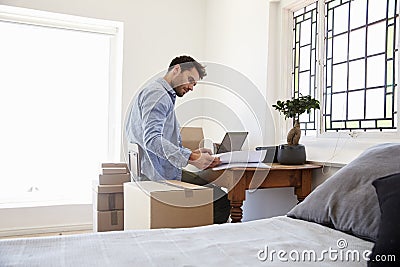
{"x":293,"y":108}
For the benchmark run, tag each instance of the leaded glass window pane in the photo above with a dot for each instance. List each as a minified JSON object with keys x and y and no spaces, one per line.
{"x":360,"y":65}
{"x":305,"y":60}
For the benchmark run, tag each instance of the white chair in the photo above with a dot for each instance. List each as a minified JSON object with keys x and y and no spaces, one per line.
{"x":134,"y":161}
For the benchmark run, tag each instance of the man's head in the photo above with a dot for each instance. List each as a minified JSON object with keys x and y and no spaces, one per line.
{"x":183,"y":74}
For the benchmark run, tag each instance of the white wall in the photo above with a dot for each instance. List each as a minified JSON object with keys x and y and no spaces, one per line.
{"x":237,"y":37}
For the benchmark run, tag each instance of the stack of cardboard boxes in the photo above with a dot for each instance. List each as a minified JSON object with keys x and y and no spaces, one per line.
{"x":108,"y":198}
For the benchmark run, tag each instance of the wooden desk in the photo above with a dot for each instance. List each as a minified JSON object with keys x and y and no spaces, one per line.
{"x":238,"y":180}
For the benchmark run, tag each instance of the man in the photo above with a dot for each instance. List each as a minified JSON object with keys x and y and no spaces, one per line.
{"x":152,"y":124}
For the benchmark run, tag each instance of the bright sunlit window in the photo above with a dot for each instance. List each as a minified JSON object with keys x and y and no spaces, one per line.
{"x":357,"y":58}
{"x":54,"y":111}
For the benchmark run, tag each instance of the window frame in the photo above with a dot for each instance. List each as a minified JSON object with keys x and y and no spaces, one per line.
{"x":287,"y":68}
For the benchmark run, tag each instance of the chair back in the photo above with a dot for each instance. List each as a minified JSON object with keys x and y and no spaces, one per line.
{"x":134,"y":161}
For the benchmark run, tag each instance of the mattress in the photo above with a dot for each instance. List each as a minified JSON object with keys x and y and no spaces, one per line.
{"x":278,"y":241}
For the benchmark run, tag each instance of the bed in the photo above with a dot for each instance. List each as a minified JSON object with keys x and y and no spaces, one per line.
{"x":338,"y":224}
{"x":241,"y":244}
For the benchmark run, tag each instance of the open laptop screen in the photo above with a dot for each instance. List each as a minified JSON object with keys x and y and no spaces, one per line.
{"x":233,"y":141}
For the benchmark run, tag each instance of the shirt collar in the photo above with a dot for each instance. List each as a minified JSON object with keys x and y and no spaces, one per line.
{"x":168,"y":87}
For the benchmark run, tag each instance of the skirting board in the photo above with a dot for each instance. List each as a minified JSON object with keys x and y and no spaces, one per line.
{"x":45,"y":230}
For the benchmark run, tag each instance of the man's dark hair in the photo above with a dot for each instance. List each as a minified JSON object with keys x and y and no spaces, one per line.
{"x":189,"y":63}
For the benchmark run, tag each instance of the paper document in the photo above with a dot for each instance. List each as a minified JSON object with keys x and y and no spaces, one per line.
{"x":237,"y":159}
{"x":242,"y":156}
{"x":241,"y":165}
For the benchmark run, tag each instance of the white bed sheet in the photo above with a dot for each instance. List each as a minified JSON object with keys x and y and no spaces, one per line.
{"x":240,"y":244}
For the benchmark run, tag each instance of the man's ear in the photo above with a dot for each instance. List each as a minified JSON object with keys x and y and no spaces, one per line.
{"x":177,"y":69}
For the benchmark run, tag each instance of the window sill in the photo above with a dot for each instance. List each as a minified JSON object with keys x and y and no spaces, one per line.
{"x":342,"y":148}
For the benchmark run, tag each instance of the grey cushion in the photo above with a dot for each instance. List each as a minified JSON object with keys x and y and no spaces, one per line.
{"x":347,"y":200}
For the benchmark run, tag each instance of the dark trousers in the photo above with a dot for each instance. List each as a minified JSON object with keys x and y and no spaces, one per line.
{"x":221,"y":203}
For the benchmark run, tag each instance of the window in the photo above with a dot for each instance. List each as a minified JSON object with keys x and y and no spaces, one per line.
{"x":305,"y":60}
{"x":58,"y":105}
{"x":357,"y":80}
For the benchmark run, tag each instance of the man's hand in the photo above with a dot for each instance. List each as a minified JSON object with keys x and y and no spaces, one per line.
{"x":203,"y":150}
{"x":202,"y":159}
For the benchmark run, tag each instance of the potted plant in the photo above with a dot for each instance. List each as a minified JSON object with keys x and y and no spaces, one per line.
{"x":293,"y":152}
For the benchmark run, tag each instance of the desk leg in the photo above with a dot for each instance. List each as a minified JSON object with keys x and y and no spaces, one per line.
{"x":304,"y":189}
{"x":236,"y":211}
{"x":236,"y":195}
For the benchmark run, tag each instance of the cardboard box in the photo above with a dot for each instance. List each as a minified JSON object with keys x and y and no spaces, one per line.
{"x":115,"y":171}
{"x":108,"y":197}
{"x":114,"y":168}
{"x":114,"y":165}
{"x":170,"y":204}
{"x":192,"y":137}
{"x":114,"y":179}
{"x":108,"y":221}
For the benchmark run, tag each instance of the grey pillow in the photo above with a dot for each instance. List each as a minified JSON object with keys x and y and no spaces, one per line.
{"x":347,"y":200}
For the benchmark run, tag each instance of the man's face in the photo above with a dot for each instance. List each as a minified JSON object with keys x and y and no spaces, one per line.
{"x":185,"y":81}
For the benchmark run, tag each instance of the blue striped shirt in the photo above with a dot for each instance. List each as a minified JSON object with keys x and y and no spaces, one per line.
{"x":152,"y":124}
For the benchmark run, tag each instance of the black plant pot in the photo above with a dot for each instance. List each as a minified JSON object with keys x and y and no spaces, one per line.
{"x":291,"y":155}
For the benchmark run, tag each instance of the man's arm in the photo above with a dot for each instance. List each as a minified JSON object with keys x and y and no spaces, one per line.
{"x":156,"y":107}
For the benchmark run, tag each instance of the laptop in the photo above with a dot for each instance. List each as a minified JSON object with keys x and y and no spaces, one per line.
{"x":233,"y":141}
